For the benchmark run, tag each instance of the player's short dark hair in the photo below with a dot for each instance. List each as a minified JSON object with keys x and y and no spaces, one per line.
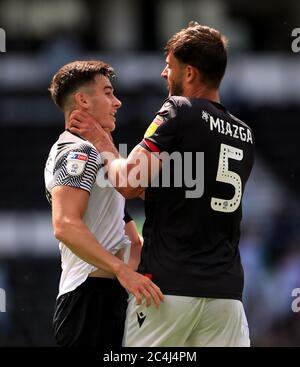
{"x":72,"y":76}
{"x":202,"y":47}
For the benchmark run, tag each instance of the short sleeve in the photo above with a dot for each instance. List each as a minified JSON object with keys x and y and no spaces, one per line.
{"x":127,"y":217}
{"x":161,"y":134}
{"x":77,"y":168}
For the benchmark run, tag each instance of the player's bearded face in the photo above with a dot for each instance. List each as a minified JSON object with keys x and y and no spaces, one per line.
{"x":173,"y":73}
{"x":175,"y":87}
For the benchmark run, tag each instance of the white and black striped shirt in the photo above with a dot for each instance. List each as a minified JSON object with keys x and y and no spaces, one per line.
{"x":75,"y":162}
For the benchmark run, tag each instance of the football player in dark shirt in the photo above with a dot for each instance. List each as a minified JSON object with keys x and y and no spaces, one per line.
{"x":192,"y":227}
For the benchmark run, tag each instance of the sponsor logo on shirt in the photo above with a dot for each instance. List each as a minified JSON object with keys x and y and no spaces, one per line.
{"x":153,"y":126}
{"x":79,"y":156}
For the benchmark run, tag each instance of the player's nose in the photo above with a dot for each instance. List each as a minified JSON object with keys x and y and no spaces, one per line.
{"x":164,"y":73}
{"x":117,"y":103}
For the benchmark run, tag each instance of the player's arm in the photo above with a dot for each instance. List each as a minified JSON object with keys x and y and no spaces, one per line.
{"x":136,"y":244}
{"x":68,"y":207}
{"x":129,"y":176}
{"x":133,"y":175}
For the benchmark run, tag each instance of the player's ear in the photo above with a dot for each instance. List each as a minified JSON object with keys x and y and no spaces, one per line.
{"x":81,"y":100}
{"x":191,"y":73}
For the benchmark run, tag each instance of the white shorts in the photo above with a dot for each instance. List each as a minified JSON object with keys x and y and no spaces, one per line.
{"x":187,"y":322}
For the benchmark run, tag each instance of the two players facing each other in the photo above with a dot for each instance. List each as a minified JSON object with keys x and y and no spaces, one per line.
{"x":190,"y":244}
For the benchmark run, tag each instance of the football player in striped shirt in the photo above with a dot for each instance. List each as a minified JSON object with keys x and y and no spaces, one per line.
{"x":97,"y":260}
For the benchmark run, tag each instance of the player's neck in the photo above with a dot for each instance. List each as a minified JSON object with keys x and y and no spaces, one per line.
{"x":202,"y":92}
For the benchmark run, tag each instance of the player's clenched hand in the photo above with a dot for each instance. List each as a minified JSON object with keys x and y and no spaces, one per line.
{"x":140,"y":286}
{"x":85,"y":125}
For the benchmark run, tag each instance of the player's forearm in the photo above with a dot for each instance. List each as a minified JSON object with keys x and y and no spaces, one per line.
{"x":77,"y":236}
{"x":135,"y":255}
{"x":105,"y":146}
{"x":136,"y":244}
{"x":115,"y":165}
{"x":121,"y":176}
{"x":120,"y":171}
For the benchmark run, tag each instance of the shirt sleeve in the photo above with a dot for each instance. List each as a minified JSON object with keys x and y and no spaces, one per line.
{"x":161,"y":134}
{"x":127,"y":217}
{"x":78,"y":168}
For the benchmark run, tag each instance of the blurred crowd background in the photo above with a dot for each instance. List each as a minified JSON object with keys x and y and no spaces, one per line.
{"x":261,"y":86}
